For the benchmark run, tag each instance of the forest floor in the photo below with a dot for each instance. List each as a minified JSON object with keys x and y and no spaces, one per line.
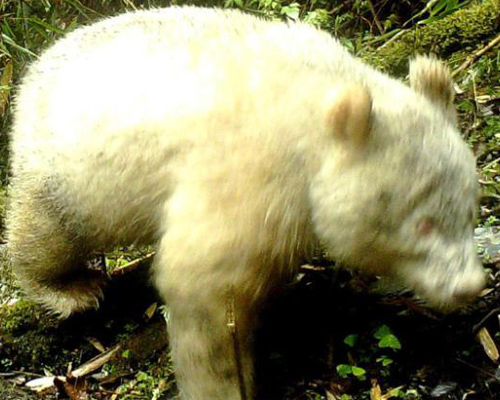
{"x":329,"y":335}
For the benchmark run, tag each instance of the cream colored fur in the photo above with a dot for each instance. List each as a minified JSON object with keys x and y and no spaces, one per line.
{"x":234,"y":144}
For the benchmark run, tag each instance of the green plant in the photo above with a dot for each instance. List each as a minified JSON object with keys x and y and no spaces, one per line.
{"x":370,"y":354}
{"x":144,"y":386}
{"x":351,"y":340}
{"x":492,"y":220}
{"x":386,"y":338}
{"x":445,"y":7}
{"x":345,"y":370}
{"x":126,"y":354}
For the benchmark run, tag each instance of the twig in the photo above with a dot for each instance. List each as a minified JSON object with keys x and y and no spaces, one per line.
{"x":375,"y":17}
{"x":132,"y":265}
{"x":477,"y":369}
{"x":95,"y":363}
{"x":478,"y":326}
{"x":382,"y":38}
{"x":474,"y":92}
{"x":467,"y":63}
{"x":336,"y":9}
{"x":427,"y":7}
{"x":307,"y":267}
{"x":392,"y":39}
{"x":15,"y":373}
{"x":491,"y":163}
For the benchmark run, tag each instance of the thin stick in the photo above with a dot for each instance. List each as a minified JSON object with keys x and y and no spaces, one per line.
{"x":375,"y":17}
{"x":427,"y":7}
{"x":477,"y":369}
{"x":480,"y":324}
{"x":132,"y":265}
{"x":16,"y":373}
{"x":467,"y":63}
{"x":95,"y":363}
{"x":491,"y":163}
{"x":392,"y":39}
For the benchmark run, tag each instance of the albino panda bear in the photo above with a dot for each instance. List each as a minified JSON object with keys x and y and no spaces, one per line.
{"x":235,"y":145}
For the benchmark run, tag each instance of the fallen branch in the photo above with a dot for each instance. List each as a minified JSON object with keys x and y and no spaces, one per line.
{"x":132,"y":265}
{"x":95,"y":363}
{"x":467,"y":63}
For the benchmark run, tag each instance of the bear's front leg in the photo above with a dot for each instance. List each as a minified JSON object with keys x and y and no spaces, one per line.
{"x":210,"y":293}
{"x":210,"y":338}
{"x":230,"y":236}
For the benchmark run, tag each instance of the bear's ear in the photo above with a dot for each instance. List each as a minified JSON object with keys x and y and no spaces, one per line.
{"x":349,"y":114}
{"x":432,"y":78}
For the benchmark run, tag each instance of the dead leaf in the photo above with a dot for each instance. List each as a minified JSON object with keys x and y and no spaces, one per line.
{"x":484,"y":98}
{"x":488,"y":344}
{"x":41,"y":384}
{"x":151,"y":311}
{"x":375,"y":392}
{"x":486,"y":291}
{"x":330,"y":396}
{"x":98,"y":345}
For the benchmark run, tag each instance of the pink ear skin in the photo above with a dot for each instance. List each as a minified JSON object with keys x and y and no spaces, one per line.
{"x":350,"y":115}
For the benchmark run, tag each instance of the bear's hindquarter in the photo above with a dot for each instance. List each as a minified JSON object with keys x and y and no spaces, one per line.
{"x":119,"y":146}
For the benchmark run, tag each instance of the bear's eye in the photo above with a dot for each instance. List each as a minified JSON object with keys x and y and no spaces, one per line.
{"x":426,"y":226}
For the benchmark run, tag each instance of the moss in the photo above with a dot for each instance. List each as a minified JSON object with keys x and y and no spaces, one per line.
{"x":3,"y":201}
{"x":11,"y":391}
{"x":23,"y":335}
{"x":462,"y":29}
{"x":18,"y":318}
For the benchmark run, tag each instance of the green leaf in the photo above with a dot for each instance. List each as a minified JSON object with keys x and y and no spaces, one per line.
{"x":351,"y":340}
{"x":126,"y":354}
{"x":382,"y":331}
{"x":396,"y":393}
{"x":292,"y":11}
{"x":142,"y":376}
{"x":385,"y":361}
{"x":343,"y":370}
{"x":390,"y":341}
{"x":439,"y":6}
{"x":45,"y":25}
{"x":13,"y":44}
{"x":358,"y":371}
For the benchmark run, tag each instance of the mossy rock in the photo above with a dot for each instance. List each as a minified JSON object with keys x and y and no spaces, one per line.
{"x":466,"y":28}
{"x":28,"y":337}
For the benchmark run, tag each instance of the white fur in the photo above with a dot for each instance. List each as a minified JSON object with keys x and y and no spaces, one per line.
{"x":210,"y":132}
